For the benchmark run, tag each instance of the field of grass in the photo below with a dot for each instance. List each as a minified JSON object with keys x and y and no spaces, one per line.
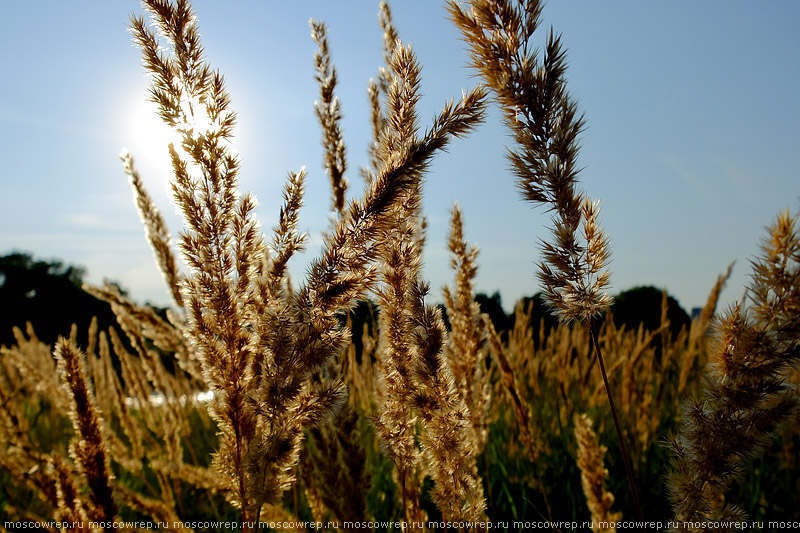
{"x":260,"y":402}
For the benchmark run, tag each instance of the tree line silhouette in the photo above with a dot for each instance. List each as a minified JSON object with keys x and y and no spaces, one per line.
{"x":49,"y":295}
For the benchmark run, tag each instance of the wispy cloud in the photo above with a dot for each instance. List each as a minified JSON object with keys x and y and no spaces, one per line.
{"x":679,"y":166}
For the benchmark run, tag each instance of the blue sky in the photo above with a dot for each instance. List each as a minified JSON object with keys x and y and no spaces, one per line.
{"x":691,"y":144}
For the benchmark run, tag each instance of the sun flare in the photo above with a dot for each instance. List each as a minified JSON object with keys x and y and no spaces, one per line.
{"x":148,"y":140}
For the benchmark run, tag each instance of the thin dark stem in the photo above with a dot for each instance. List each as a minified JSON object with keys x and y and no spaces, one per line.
{"x":625,"y":457}
{"x":294,"y":496}
{"x":403,"y":492}
{"x":486,"y":476}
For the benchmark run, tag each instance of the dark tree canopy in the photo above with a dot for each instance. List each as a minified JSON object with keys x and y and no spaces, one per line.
{"x":642,"y":305}
{"x":363,"y":314}
{"x":493,"y":306}
{"x":47,"y":294}
{"x":639,"y":305}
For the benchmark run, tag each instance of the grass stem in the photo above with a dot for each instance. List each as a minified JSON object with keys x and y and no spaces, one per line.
{"x":625,"y":457}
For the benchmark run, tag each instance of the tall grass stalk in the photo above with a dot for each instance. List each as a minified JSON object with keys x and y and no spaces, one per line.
{"x":620,"y":436}
{"x":746,"y":393}
{"x":545,"y":123}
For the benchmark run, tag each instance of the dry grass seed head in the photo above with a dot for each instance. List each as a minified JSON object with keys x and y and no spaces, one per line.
{"x":87,"y":448}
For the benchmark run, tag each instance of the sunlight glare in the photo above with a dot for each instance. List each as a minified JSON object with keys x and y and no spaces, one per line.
{"x":149,"y":142}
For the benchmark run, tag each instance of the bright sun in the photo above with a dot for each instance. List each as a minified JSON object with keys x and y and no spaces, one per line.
{"x":148,"y":142}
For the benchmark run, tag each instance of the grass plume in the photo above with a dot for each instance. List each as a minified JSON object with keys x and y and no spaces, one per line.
{"x":87,"y":449}
{"x":593,"y":474}
{"x":745,"y":397}
{"x":329,"y":115}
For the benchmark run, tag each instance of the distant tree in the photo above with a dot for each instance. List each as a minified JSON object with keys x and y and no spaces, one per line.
{"x":49,"y":295}
{"x":446,"y":319}
{"x":364,"y":313}
{"x":642,"y":305}
{"x":493,"y":306}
